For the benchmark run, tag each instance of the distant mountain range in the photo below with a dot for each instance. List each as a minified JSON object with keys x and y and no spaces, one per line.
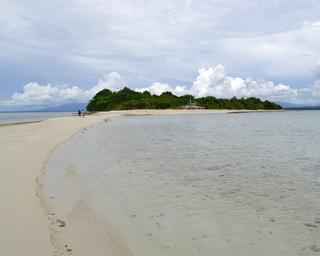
{"x":74,"y":107}
{"x":304,"y":108}
{"x":291,"y":106}
{"x":71,"y":107}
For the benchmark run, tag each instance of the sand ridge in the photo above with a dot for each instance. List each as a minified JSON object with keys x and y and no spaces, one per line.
{"x":26,"y":229}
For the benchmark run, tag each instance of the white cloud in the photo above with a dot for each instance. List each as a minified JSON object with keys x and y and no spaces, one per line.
{"x":159,"y":88}
{"x":113,"y":82}
{"x":158,"y":39}
{"x":215,"y":82}
{"x":34,"y":94}
{"x":209,"y":82}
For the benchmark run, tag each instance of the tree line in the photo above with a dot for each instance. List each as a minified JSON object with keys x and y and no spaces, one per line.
{"x":126,"y":98}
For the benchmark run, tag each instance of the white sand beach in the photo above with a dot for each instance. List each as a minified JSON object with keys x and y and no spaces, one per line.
{"x":160,"y":128}
{"x":25,"y":148}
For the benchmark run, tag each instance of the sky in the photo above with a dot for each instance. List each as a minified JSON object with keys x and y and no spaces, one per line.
{"x":62,"y":51}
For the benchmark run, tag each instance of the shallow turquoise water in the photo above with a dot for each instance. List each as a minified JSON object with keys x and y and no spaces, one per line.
{"x":225,"y":184}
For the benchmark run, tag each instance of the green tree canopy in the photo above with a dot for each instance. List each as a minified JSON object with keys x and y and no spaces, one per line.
{"x":126,"y":98}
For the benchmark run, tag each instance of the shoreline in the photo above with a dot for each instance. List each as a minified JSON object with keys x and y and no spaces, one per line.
{"x":21,"y":123}
{"x":139,"y":112}
{"x":26,"y":149}
{"x":19,"y":118}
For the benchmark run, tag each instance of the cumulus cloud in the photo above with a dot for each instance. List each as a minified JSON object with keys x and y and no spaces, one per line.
{"x":34,"y":94}
{"x":215,"y":82}
{"x":112,"y":81}
{"x":159,"y":88}
{"x":209,"y":82}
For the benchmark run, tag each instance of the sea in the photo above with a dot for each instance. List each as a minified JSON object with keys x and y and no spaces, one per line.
{"x":26,"y":117}
{"x":221,"y":184}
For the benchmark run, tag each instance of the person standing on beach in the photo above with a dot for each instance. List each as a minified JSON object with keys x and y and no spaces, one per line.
{"x":79,"y":112}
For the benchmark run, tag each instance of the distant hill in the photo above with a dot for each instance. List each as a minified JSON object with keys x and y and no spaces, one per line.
{"x":304,"y":108}
{"x":291,"y":106}
{"x":126,"y":98}
{"x":288,"y":104}
{"x":72,"y":107}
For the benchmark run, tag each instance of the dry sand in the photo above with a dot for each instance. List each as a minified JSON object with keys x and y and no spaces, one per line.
{"x":25,"y":148}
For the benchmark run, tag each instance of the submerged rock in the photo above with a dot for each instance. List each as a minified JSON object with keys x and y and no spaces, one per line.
{"x":310,"y":225}
{"x":61,"y":223}
{"x":315,"y":248}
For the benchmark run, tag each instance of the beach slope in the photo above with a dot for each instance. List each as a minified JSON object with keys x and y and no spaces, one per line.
{"x":24,"y":151}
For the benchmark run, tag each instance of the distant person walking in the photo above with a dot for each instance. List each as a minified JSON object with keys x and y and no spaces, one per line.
{"x":79,"y":112}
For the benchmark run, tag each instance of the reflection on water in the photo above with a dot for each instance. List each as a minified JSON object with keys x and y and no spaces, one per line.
{"x":201,"y":185}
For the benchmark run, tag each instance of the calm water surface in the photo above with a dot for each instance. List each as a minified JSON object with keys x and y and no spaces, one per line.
{"x":24,"y":117}
{"x":224,"y":184}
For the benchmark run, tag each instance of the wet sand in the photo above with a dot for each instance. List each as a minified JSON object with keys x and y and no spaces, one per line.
{"x":24,"y":224}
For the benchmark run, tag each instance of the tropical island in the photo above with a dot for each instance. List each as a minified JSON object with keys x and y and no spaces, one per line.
{"x":127,"y":99}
